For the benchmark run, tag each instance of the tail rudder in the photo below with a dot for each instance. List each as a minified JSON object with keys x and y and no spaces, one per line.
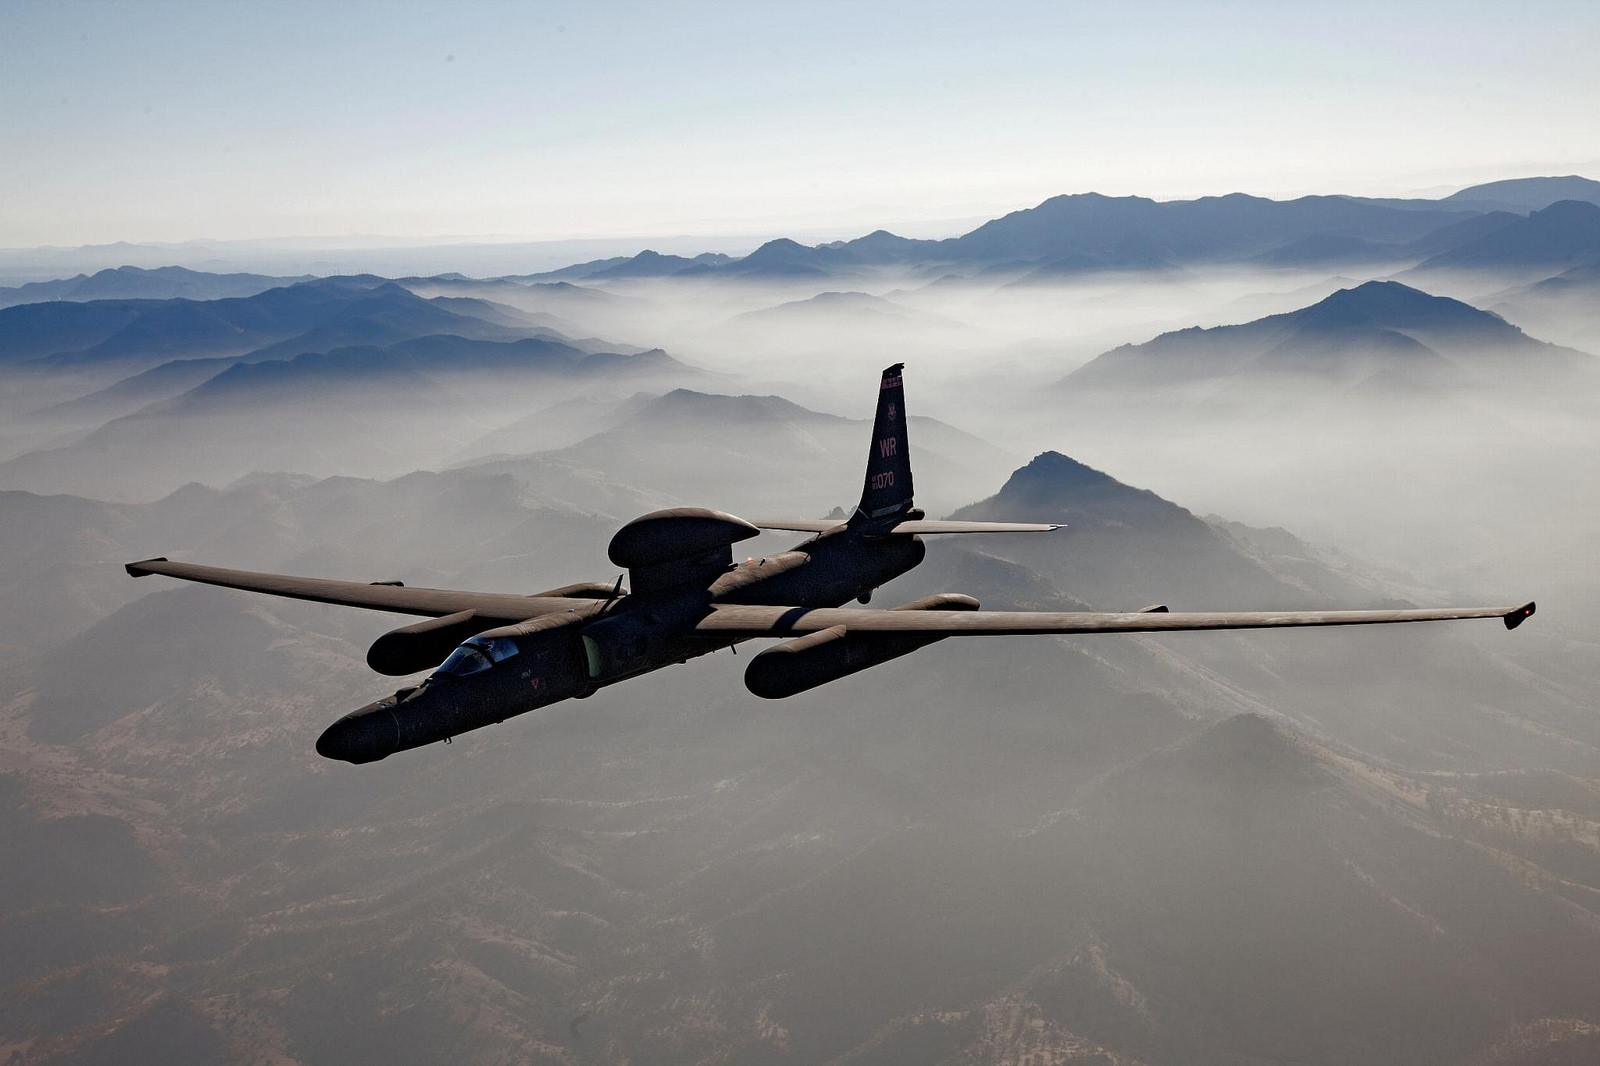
{"x":886,"y":493}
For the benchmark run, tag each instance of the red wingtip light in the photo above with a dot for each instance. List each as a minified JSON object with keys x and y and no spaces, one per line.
{"x":1519,"y":616}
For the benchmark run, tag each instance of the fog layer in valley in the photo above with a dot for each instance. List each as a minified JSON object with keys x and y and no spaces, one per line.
{"x":1315,"y":846}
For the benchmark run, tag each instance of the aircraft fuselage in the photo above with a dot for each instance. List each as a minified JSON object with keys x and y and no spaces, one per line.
{"x":509,"y":672}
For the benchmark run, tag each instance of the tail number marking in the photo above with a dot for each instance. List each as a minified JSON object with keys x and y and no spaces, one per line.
{"x":884,"y":480}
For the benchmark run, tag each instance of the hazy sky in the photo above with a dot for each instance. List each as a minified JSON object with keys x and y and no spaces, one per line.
{"x":175,"y":121}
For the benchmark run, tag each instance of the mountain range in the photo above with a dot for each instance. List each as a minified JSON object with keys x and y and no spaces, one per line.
{"x":134,"y":283}
{"x":1073,"y":235}
{"x":1222,"y":848}
{"x":369,"y":410}
{"x":1563,"y":236}
{"x":691,"y":446}
{"x":1064,"y":849}
{"x":1377,"y":335}
{"x":307,"y":317}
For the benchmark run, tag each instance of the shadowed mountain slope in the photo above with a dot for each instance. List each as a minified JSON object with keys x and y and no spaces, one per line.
{"x":648,"y":263}
{"x":1528,"y":194}
{"x":368,"y":410}
{"x":134,"y":283}
{"x":313,"y":316}
{"x":764,"y":456}
{"x":1565,"y":307}
{"x":1556,"y":238}
{"x":830,"y":322}
{"x":1078,"y":234}
{"x":1381,"y":332}
{"x":987,"y":851}
{"x":1123,"y":548}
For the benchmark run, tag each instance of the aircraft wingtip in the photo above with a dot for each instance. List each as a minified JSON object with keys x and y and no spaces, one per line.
{"x":1520,"y":615}
{"x":138,"y":569}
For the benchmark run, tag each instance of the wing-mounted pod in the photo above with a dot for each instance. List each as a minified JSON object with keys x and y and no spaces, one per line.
{"x":424,"y":645}
{"x":798,"y":665}
{"x":676,"y":547}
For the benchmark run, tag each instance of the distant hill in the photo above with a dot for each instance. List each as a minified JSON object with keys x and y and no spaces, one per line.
{"x":385,"y":315}
{"x":651,"y":264}
{"x":1556,"y":238}
{"x":126,"y":396}
{"x":763,"y":455}
{"x":1073,"y":235}
{"x":1084,"y":233}
{"x":843,"y":320}
{"x":1124,"y":547}
{"x":1378,"y":334}
{"x":1334,"y":249}
{"x":556,"y":426}
{"x":63,"y":564}
{"x":1133,"y":229}
{"x":781,"y":258}
{"x":134,"y":283}
{"x":1087,"y":233}
{"x":1565,"y":307}
{"x":1528,"y":194}
{"x":646,"y":264}
{"x":313,"y":316}
{"x":361,"y":409}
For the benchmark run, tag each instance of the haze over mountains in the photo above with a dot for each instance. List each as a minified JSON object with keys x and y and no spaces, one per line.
{"x":1320,"y":847}
{"x":1382,"y":334}
{"x":133,"y":283}
{"x":1084,"y":233}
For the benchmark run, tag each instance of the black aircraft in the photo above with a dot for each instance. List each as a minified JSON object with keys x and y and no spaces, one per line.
{"x":500,"y":655}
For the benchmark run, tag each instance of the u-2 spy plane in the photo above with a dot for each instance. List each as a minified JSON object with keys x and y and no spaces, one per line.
{"x":499,"y":655}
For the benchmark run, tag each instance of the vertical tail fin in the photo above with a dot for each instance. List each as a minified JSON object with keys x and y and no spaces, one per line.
{"x":887,"y":490}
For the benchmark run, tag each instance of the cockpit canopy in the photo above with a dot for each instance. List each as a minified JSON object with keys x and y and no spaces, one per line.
{"x":477,"y":655}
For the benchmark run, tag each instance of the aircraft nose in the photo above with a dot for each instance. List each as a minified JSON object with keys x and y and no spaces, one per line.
{"x":367,"y":735}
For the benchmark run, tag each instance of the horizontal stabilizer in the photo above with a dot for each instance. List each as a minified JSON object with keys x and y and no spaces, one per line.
{"x":916,"y":525}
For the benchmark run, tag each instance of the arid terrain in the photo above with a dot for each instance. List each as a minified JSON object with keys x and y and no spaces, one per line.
{"x":1288,"y":847}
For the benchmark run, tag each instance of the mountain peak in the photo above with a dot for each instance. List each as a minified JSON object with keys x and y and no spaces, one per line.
{"x":780,"y":256}
{"x":681,"y":404}
{"x":1553,"y":238}
{"x":1392,"y":304}
{"x":1377,"y":295}
{"x":779,"y":245}
{"x":1564,"y":212}
{"x":1054,"y":487}
{"x":1531,"y":193}
{"x":1056,"y":471}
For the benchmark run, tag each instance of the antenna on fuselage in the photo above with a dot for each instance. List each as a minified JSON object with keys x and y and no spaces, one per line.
{"x":616,"y":590}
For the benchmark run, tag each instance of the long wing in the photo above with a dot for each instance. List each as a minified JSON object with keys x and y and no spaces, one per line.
{"x":914,"y":525}
{"x":394,"y":598}
{"x":928,"y":525}
{"x":743,"y":621}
